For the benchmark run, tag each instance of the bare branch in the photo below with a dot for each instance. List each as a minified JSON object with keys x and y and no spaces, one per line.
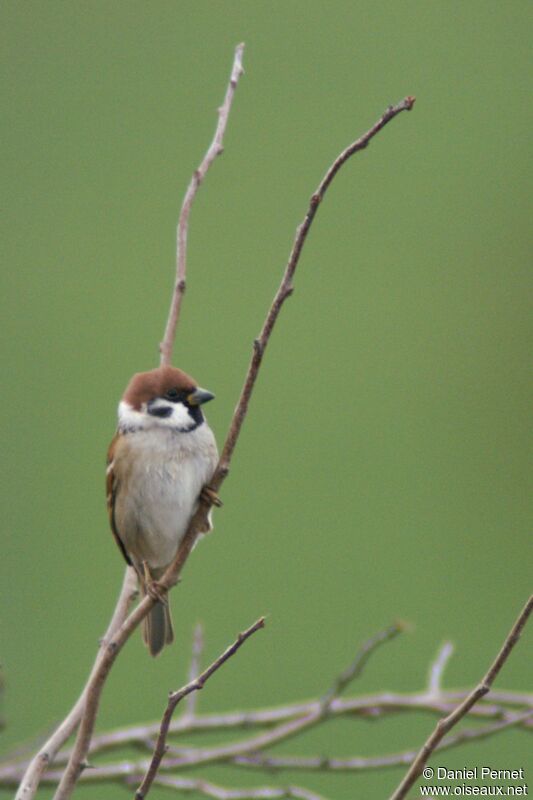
{"x":286,"y":285}
{"x":365,"y":706}
{"x":209,"y":789}
{"x":436,"y":670}
{"x":322,"y":764}
{"x":293,"y":727}
{"x":373,"y":706}
{"x":37,"y":766}
{"x":194,"y":668}
{"x":198,"y":521}
{"x":131,"y":771}
{"x":364,"y":653}
{"x":215,"y":149}
{"x":193,"y":686}
{"x":446,"y":723}
{"x":249,"y":753}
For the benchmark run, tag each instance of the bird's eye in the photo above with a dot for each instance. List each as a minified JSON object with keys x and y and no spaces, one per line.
{"x":172,"y":394}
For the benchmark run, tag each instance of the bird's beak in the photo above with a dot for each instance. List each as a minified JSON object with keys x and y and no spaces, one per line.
{"x":199,"y":397}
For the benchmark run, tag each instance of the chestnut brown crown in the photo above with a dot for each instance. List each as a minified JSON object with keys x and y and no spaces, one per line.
{"x":146,"y":386}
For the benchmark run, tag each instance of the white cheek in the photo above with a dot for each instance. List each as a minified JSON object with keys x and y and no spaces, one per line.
{"x":180,"y":418}
{"x":128,"y":417}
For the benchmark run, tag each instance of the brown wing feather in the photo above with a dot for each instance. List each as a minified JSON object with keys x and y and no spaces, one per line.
{"x":111,"y":493}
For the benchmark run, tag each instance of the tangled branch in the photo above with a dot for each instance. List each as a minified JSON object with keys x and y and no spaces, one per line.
{"x":263,"y":729}
{"x":215,"y":149}
{"x":109,"y":654}
{"x":33,"y":773}
{"x":175,"y":698}
{"x":445,"y":724}
{"x":269,"y":726}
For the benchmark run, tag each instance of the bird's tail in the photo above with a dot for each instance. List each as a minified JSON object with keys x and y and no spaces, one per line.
{"x":157,"y":629}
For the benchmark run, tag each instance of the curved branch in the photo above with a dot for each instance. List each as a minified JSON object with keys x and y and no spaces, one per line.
{"x":198,"y":521}
{"x":447,"y":723}
{"x":250,"y":752}
{"x":175,"y":698}
{"x":215,"y":149}
{"x":39,"y":763}
{"x":286,"y":286}
{"x":217,"y":792}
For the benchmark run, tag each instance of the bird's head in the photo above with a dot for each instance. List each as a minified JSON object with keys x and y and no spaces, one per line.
{"x":163,"y":397}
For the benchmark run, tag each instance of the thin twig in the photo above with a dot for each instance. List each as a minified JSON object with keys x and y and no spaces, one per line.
{"x":193,"y":686}
{"x":322,"y":764}
{"x":194,"y":669}
{"x":215,"y":149}
{"x":446,"y":723}
{"x":436,"y":670}
{"x":365,"y":706}
{"x":198,"y":521}
{"x":294,"y":727}
{"x":362,"y":656}
{"x":133,"y":770}
{"x":217,"y":792}
{"x":286,"y":286}
{"x":37,"y":766}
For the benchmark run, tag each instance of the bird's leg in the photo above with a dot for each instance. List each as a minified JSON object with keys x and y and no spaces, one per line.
{"x":153,"y":588}
{"x":210,"y":497}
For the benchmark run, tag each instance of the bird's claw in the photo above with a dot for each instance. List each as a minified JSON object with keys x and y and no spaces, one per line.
{"x":210,"y":497}
{"x":153,"y":588}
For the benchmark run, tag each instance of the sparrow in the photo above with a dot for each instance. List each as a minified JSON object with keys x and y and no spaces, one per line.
{"x":159,"y":465}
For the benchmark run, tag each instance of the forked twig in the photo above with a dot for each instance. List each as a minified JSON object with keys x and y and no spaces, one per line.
{"x":175,"y":698}
{"x":40,"y":762}
{"x":436,"y":670}
{"x":198,"y":520}
{"x":194,"y":668}
{"x":447,"y":723}
{"x":217,"y":792}
{"x":507,"y":710}
{"x":215,"y":149}
{"x":361,"y":659}
{"x":286,"y":286}
{"x":86,"y":710}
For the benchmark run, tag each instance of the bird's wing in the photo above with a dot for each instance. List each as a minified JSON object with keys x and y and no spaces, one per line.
{"x":112,"y":486}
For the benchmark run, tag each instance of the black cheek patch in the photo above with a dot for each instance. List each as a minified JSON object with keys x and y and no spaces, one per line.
{"x":195,"y":412}
{"x":160,"y":411}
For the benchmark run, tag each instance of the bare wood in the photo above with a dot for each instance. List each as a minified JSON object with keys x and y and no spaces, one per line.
{"x":447,"y":723}
{"x":364,"y":763}
{"x":133,"y":770}
{"x":92,"y":697}
{"x":38,"y":765}
{"x":249,"y":753}
{"x":375,"y":706}
{"x":198,"y":521}
{"x":195,"y":668}
{"x":436,"y":670}
{"x":286,"y":285}
{"x":218,"y":792}
{"x":175,"y":698}
{"x":294,"y":727}
{"x":215,"y":149}
{"x":360,"y":661}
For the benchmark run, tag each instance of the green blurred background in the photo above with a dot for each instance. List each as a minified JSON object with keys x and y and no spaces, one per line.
{"x":381,"y":471}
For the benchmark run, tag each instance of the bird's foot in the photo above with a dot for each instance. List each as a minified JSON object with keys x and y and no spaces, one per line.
{"x":153,"y":588}
{"x":210,"y":497}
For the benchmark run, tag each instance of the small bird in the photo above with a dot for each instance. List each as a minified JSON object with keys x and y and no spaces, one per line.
{"x":159,"y":464}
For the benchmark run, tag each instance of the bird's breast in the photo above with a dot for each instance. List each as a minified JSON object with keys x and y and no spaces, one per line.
{"x":159,"y":480}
